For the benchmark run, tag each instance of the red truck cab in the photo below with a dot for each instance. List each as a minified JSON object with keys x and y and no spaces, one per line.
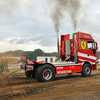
{"x":82,"y":47}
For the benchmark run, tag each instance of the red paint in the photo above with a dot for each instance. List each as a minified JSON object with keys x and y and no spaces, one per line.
{"x":21,"y":66}
{"x":23,"y":58}
{"x":68,"y":69}
{"x":83,"y":54}
{"x":30,"y":67}
{"x":46,"y":74}
{"x":39,"y":61}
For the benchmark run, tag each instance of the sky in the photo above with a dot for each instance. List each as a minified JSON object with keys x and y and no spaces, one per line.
{"x":28,"y":25}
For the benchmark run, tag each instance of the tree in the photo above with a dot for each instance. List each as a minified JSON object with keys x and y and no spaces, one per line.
{"x":37,"y":52}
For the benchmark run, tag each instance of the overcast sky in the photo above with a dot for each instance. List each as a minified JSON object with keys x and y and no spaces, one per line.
{"x":27,"y":24}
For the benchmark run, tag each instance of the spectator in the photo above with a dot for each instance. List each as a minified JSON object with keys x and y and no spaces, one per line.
{"x":28,"y":60}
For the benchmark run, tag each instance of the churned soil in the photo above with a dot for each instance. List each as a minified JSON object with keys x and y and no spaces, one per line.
{"x":67,"y":87}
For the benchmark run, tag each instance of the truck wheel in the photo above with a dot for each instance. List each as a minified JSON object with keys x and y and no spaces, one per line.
{"x":86,"y":71}
{"x":45,"y":73}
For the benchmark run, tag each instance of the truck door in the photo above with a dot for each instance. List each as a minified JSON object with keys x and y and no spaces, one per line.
{"x":91,"y":52}
{"x":86,"y":50}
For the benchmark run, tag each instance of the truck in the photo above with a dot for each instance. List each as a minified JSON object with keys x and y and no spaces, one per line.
{"x":78,"y":54}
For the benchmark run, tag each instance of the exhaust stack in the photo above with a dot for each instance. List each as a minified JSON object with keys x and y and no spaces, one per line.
{"x":58,"y":46}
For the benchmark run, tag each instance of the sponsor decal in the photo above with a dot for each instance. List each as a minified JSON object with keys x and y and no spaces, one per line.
{"x":69,"y":71}
{"x":59,"y":67}
{"x":86,"y":36}
{"x":64,"y":72}
{"x":71,"y":67}
{"x":83,"y":45}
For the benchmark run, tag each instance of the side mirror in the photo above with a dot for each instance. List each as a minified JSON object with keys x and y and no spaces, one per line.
{"x":96,"y":46}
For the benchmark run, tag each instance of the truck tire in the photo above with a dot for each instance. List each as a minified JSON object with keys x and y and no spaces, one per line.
{"x":86,"y":71}
{"x":45,"y":73}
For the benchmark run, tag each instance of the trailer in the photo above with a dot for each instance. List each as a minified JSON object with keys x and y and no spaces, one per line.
{"x":78,"y":54}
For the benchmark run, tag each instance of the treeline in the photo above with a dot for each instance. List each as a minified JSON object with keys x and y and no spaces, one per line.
{"x":32,"y":55}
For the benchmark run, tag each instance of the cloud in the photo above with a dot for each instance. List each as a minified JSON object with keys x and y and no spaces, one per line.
{"x":9,"y":7}
{"x":43,"y":39}
{"x":28,"y":23}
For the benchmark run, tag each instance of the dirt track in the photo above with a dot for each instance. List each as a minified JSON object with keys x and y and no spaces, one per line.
{"x":70,"y":87}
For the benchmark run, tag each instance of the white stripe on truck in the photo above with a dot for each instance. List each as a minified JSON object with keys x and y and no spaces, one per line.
{"x":86,"y":56}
